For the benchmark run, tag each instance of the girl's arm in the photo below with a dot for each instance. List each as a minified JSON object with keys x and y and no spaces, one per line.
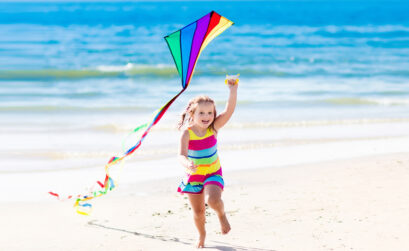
{"x":183,"y":149}
{"x":223,"y":117}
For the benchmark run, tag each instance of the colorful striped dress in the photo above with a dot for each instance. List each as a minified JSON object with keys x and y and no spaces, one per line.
{"x":203,"y":152}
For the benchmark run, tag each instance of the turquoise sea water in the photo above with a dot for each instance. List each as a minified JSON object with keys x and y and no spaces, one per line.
{"x":76,"y":78}
{"x":298,"y":60}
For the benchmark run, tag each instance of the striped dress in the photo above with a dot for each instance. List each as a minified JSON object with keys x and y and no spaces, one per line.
{"x":203,"y":152}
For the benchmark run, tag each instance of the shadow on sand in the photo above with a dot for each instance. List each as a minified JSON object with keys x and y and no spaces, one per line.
{"x":223,"y":246}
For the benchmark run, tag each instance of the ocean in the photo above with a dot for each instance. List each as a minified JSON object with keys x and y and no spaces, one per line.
{"x":299,"y":60}
{"x":77,"y":77}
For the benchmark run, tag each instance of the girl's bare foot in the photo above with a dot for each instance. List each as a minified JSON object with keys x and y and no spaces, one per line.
{"x":200,"y":242}
{"x":224,"y":223}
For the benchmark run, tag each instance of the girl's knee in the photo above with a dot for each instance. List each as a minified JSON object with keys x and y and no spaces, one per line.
{"x":214,"y":201}
{"x":199,"y":211}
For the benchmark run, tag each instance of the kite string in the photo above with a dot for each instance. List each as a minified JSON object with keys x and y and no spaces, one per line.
{"x":81,"y":204}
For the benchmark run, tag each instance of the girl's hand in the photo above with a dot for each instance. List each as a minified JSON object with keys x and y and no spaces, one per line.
{"x":232,"y":84}
{"x":192,"y":167}
{"x":231,"y":81}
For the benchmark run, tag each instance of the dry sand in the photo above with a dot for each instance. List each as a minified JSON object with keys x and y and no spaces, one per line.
{"x":354,"y":204}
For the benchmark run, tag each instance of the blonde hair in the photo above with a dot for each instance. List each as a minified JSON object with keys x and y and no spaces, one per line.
{"x":187,"y":115}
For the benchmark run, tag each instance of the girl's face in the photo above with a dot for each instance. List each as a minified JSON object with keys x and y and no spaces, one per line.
{"x":204,"y":115}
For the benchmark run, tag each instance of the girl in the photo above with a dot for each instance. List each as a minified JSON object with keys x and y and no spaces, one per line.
{"x":198,"y":154}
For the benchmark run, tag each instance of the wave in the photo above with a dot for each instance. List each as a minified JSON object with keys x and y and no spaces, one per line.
{"x":126,"y":71}
{"x":118,"y":71}
{"x":148,"y":107}
{"x":304,"y":123}
{"x":84,"y":109}
{"x":115,"y":128}
{"x":367,"y":101}
{"x":165,"y":71}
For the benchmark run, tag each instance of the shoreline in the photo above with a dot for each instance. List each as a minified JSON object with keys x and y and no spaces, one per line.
{"x":59,"y":166}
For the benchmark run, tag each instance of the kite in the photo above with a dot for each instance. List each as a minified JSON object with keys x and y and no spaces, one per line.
{"x":185,"y":45}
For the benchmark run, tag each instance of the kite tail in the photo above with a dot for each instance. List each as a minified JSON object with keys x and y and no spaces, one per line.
{"x":82,"y":205}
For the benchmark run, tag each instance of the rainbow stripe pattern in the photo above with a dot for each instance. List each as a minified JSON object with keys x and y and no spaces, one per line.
{"x":203,"y":152}
{"x":185,"y":45}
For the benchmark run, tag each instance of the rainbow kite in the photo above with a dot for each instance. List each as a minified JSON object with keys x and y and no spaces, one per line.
{"x":185,"y":45}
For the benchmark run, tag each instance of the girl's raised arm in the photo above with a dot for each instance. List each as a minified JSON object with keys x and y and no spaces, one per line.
{"x":223,"y":117}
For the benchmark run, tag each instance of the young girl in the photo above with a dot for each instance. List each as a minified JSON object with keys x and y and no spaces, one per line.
{"x":198,"y":154}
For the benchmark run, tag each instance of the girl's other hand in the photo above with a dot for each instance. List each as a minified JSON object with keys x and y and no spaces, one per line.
{"x":192,"y":167}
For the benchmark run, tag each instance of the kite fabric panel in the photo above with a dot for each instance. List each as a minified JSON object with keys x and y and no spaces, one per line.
{"x":185,"y":45}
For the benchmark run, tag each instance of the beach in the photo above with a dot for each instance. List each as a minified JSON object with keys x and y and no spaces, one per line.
{"x":352,"y":204}
{"x":292,"y":190}
{"x":315,"y":156}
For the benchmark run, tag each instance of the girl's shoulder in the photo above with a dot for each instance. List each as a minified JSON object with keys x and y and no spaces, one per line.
{"x":185,"y":134}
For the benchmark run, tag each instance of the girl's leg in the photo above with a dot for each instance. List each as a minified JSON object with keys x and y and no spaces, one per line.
{"x":214,"y":200}
{"x":199,"y":209}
